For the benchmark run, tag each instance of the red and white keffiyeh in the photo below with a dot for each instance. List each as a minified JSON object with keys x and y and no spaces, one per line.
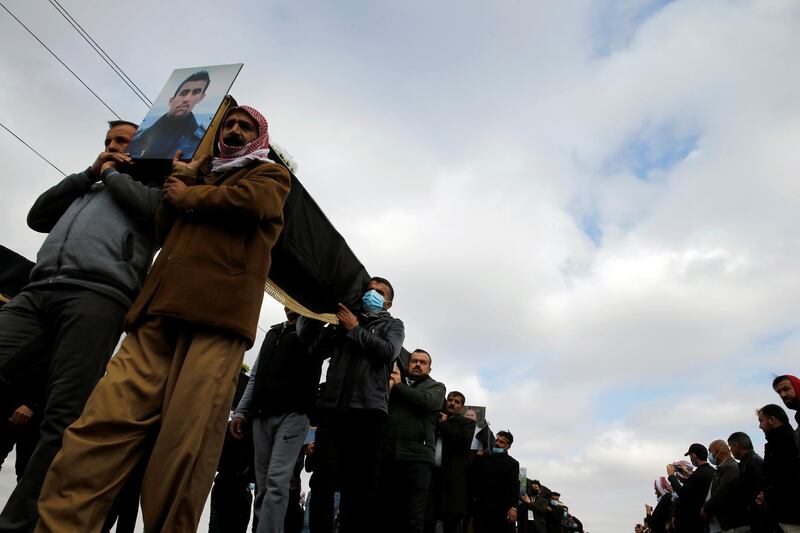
{"x":239,"y":156}
{"x":662,"y":486}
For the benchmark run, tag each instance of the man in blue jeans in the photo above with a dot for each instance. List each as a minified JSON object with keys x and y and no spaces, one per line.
{"x":88,"y":271}
{"x":277,"y":401}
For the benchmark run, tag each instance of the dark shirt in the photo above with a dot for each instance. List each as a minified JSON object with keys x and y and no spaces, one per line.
{"x":166,"y":136}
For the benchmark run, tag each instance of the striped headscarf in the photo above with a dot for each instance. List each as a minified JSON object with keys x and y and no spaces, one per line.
{"x":662,"y":486}
{"x":678,"y":472}
{"x":239,"y":156}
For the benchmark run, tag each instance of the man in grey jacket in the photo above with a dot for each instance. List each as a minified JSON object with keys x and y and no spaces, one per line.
{"x":87,"y":273}
{"x":726,"y":507}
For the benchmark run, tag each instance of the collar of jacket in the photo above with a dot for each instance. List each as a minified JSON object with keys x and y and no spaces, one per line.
{"x":371,"y":317}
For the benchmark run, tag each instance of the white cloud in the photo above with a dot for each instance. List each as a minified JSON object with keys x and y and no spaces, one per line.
{"x":463,"y":151}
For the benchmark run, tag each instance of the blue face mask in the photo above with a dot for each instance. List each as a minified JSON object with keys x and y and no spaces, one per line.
{"x":372,"y":301}
{"x":711,"y":459}
{"x":498,"y":450}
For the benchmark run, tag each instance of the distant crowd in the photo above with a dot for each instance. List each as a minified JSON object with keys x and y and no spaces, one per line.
{"x":728,"y":487}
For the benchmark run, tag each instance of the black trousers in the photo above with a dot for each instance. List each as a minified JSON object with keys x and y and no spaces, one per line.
{"x":24,"y":437}
{"x":348,"y":450}
{"x":403,"y":495}
{"x":84,"y":327}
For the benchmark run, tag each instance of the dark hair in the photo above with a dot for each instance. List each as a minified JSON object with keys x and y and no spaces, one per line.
{"x":420,"y":350}
{"x":115,"y":123}
{"x":507,"y":434}
{"x":200,"y":75}
{"x":554,"y":493}
{"x":741,"y":439}
{"x":775,"y":411}
{"x":779,"y":379}
{"x":460,"y":395}
{"x":536,"y":482}
{"x":385,"y":282}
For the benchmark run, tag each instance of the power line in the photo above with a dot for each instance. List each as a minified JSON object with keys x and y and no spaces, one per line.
{"x":32,"y":149}
{"x":102,"y":53}
{"x":59,"y":60}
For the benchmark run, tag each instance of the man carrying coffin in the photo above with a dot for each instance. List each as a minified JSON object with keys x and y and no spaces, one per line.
{"x":176,"y":371}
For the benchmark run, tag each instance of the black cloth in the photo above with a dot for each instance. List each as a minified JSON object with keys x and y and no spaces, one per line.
{"x":728,"y":499}
{"x":497,"y":477}
{"x":347,"y":457}
{"x":691,"y":497}
{"x":311,"y":261}
{"x":80,"y":351}
{"x":15,"y":271}
{"x":781,"y":469}
{"x":288,"y":375}
{"x":752,"y":479}
{"x":361,"y":360}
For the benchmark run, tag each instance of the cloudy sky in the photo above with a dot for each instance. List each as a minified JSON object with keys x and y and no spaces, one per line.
{"x":588,"y":208}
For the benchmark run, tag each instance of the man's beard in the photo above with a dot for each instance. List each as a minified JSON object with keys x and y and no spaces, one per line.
{"x":791,"y":403}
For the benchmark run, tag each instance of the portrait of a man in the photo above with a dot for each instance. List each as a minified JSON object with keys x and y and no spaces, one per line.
{"x":181,"y":114}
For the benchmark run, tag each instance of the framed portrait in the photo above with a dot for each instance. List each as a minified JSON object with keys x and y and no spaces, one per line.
{"x":480,"y":412}
{"x":182,"y":113}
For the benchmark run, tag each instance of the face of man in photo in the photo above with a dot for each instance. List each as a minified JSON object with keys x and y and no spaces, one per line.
{"x":189,"y":95}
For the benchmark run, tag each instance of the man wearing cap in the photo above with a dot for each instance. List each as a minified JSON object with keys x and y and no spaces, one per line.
{"x":692,"y":493}
{"x":788,"y":388}
{"x":176,"y":371}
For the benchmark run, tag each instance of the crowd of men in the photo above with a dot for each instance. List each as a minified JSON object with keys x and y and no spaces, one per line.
{"x":99,"y":437}
{"x":728,"y":487}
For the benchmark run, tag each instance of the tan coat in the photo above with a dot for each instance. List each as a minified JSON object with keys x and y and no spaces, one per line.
{"x":216,"y":250}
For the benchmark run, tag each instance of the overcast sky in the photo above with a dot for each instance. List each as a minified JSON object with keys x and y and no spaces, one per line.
{"x":588,"y":209}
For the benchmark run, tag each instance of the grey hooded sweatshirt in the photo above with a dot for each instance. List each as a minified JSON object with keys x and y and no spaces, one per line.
{"x":101,"y":234}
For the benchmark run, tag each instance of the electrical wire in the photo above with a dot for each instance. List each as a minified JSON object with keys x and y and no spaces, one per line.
{"x":102,"y":53}
{"x":31,"y":148}
{"x":60,"y":61}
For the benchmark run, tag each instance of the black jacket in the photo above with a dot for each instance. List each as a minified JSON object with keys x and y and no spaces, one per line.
{"x":691,"y":497}
{"x":286,"y":375}
{"x":782,"y":475}
{"x":497,"y":477}
{"x":361,"y":359}
{"x":410,"y":431}
{"x":456,"y":433}
{"x":728,"y":501}
{"x":752,"y":477}
{"x":661,"y":516}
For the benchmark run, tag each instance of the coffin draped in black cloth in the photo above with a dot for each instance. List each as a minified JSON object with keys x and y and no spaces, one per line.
{"x":312,"y":265}
{"x":14,"y":272}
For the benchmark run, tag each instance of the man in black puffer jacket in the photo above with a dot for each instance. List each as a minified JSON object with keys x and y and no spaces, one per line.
{"x":353,"y":406}
{"x":277,"y":402}
{"x":409,"y":445}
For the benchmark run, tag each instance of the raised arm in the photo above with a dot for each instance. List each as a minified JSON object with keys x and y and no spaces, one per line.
{"x":52,"y":203}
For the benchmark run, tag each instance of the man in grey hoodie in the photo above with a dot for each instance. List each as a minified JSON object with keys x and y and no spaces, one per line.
{"x":88,"y":271}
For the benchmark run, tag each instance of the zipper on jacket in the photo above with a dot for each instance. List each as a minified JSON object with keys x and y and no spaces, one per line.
{"x":66,"y":236}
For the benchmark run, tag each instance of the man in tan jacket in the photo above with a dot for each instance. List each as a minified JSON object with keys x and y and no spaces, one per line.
{"x":176,"y":371}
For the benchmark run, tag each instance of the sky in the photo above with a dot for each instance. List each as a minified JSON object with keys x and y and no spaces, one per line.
{"x":588,"y":209}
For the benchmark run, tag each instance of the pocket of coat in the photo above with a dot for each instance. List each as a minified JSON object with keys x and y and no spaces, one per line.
{"x":239,"y":259}
{"x":127,"y":246}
